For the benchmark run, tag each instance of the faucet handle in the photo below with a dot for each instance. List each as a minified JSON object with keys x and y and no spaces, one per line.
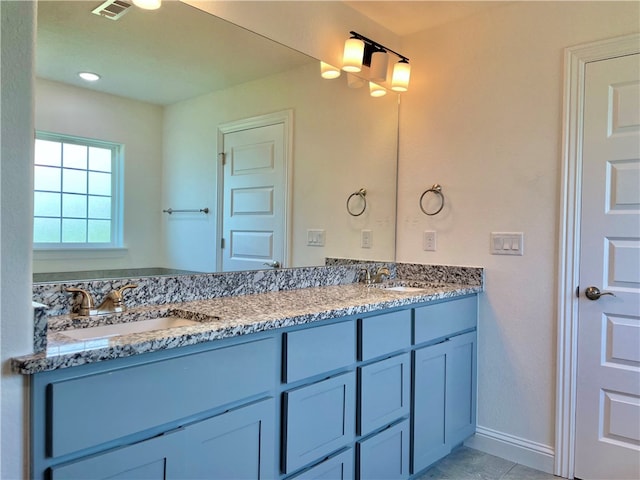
{"x":87,"y":305}
{"x":122,"y":289}
{"x":116,"y":295}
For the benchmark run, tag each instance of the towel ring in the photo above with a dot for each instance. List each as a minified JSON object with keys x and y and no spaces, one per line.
{"x":362,"y":193}
{"x":437,"y":189}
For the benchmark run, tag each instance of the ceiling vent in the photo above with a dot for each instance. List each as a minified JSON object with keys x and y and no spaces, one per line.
{"x":113,"y":9}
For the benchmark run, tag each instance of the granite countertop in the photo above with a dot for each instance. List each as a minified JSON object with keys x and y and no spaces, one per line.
{"x":220,"y":318}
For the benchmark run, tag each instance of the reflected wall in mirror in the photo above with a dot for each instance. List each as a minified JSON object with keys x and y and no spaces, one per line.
{"x":170,"y":78}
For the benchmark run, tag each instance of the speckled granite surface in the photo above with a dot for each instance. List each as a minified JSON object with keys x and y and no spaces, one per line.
{"x":236,"y":316}
{"x":230,"y":304}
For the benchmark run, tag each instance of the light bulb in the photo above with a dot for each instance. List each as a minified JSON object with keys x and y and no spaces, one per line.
{"x":328,"y":71}
{"x":376,"y":90}
{"x":400,"y":77}
{"x":89,"y":76}
{"x":352,"y":57}
{"x":148,"y":4}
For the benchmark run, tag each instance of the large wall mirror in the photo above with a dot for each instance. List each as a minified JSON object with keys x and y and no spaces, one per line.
{"x":171,"y":81}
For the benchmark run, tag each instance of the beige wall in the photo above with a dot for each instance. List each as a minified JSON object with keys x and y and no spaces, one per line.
{"x":484,"y":119}
{"x":137,"y":125}
{"x":16,"y":202}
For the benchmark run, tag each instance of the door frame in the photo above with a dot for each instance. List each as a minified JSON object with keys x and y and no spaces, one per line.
{"x":286,"y":118}
{"x":575,"y":61}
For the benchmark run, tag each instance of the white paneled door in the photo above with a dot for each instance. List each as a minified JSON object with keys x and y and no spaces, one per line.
{"x":254,"y":198}
{"x":608,"y":370}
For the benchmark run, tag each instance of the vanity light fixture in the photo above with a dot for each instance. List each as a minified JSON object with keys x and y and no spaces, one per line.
{"x":400,"y":76}
{"x":89,"y":76}
{"x":148,"y":4}
{"x":360,"y":50}
{"x":328,"y":71}
{"x":353,"y":53}
{"x":379,"y":66}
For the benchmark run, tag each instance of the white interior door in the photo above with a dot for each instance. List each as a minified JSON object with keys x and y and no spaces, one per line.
{"x":254,"y":219}
{"x":608,"y":370}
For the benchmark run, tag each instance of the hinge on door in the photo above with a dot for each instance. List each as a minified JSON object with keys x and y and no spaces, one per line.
{"x":578,"y":291}
{"x":222,"y":243}
{"x":222,"y":158}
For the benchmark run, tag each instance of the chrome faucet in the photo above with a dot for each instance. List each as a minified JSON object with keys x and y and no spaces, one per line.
{"x":382,"y":272}
{"x":112,"y":303}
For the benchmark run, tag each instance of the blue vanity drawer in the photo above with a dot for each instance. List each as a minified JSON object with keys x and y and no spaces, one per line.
{"x":385,"y":392}
{"x":385,"y":454}
{"x":338,"y":467}
{"x":94,"y":409}
{"x":444,"y":319}
{"x":318,"y":419}
{"x":386,"y":333}
{"x":317,"y":350}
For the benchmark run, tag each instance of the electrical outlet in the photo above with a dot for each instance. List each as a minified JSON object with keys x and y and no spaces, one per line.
{"x":367,"y":239}
{"x":429,"y":241}
{"x":315,"y":238}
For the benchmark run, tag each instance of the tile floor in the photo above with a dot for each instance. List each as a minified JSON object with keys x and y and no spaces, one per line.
{"x":468,"y":464}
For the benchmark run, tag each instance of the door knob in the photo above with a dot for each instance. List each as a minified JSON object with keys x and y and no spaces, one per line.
{"x":594,"y":293}
{"x":274,"y":264}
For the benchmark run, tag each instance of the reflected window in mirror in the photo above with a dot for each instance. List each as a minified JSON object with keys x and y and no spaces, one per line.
{"x":76,"y":185}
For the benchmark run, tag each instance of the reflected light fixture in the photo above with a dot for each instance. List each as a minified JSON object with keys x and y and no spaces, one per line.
{"x":360,"y":50}
{"x":354,"y":81}
{"x":89,"y":76}
{"x":148,"y":4}
{"x":328,"y":71}
{"x":352,"y":56}
{"x":376,"y":90}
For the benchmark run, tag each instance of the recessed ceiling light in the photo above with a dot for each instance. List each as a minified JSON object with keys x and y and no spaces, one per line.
{"x":89,"y":77}
{"x":148,"y":4}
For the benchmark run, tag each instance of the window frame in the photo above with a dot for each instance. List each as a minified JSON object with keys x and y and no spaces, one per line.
{"x":117,"y":190}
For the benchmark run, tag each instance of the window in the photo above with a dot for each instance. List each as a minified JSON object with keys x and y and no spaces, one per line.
{"x":76,"y":186}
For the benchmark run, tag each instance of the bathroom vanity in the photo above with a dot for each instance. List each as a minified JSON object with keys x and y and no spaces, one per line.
{"x":343,"y":381}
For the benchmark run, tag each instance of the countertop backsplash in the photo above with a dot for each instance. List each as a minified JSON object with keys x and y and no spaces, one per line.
{"x":162,"y":290}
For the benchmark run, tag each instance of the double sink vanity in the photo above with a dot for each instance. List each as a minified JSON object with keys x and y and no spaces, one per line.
{"x":293,"y":373}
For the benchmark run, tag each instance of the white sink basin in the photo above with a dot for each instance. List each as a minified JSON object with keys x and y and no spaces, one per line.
{"x":105,"y":331}
{"x":402,"y":288}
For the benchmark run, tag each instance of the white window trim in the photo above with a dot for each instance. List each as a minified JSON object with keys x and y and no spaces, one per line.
{"x":117,"y":207}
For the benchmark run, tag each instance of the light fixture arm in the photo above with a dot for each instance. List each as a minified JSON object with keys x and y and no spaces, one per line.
{"x":372,"y":46}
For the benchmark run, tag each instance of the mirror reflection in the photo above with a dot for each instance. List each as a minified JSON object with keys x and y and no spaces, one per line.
{"x":179,"y":92}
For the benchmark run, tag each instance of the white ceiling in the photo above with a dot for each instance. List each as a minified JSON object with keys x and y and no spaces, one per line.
{"x":146,"y":55}
{"x":408,"y":17}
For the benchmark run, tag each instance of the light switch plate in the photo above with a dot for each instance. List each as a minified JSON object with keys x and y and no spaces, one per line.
{"x":429,"y":241}
{"x":507,"y":243}
{"x":367,"y":239}
{"x":315,"y":238}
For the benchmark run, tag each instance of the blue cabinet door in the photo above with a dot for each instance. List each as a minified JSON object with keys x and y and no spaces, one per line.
{"x":239,"y":444}
{"x":155,"y":459}
{"x":429,"y":400}
{"x":444,"y":398}
{"x":461,"y":389}
{"x":338,"y":467}
{"x":385,"y":455}
{"x":385,"y":388}
{"x":319,"y":419}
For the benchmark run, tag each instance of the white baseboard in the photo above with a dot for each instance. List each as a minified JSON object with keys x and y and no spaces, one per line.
{"x":516,"y":449}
